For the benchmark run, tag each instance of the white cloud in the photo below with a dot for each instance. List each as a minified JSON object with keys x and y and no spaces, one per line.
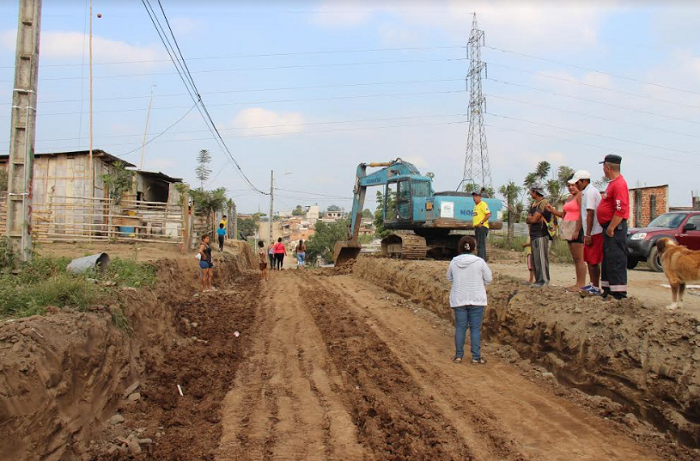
{"x":184,"y":26}
{"x":531,"y":24}
{"x":70,"y":44}
{"x":259,"y":121}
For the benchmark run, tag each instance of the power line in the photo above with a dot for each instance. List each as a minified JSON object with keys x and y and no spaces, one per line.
{"x":178,"y":62}
{"x":590,"y":85}
{"x":272,"y":101}
{"x":584,"y":114}
{"x":261,"y":55}
{"x":287,"y":67}
{"x":589,"y":69}
{"x":574,"y":141}
{"x":280,"y":125}
{"x":254,"y":90}
{"x":159,"y":134}
{"x":312,"y":193}
{"x":588,"y":133}
{"x":602,"y":103}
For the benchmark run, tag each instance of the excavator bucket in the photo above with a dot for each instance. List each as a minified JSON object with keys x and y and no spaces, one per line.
{"x":346,"y":252}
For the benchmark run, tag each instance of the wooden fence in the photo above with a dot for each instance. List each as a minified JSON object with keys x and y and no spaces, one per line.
{"x":71,"y":219}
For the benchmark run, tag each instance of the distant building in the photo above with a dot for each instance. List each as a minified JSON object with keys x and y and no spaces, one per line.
{"x":333,"y":215}
{"x":312,"y":213}
{"x":646,"y":203}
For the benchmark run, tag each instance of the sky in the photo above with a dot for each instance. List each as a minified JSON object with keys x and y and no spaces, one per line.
{"x":311,"y":89}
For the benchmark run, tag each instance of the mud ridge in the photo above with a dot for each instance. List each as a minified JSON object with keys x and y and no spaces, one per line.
{"x":394,"y":418}
{"x":645,"y":359}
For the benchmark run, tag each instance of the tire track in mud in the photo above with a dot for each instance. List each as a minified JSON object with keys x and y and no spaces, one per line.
{"x":477,"y":425}
{"x":516,"y":414}
{"x":283,"y":405}
{"x":395,"y":418}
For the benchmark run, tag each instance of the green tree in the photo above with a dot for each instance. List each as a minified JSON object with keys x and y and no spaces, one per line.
{"x":333,"y":208}
{"x":203,"y":171}
{"x":511,"y":192}
{"x":380,"y":231}
{"x":118,"y":181}
{"x":367,"y":213}
{"x":322,"y":242}
{"x":249,"y":226}
{"x":298,"y":211}
{"x":209,"y":202}
{"x":474,"y":187}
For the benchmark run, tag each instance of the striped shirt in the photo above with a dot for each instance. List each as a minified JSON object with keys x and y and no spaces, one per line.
{"x":469,"y":275}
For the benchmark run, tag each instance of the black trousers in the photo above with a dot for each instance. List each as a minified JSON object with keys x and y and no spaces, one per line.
{"x":481,"y":234}
{"x":221,"y":243}
{"x":613,"y":277}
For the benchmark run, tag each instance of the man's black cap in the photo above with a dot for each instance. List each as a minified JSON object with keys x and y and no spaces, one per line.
{"x":476,"y":193}
{"x":612,"y":158}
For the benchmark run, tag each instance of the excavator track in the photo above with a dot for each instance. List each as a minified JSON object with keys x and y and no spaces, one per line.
{"x":404,"y":246}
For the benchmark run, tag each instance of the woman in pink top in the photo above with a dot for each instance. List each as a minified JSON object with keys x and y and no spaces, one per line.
{"x":572,"y":213}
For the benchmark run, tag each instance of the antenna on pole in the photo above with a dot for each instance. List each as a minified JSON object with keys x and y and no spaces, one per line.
{"x":476,"y":162}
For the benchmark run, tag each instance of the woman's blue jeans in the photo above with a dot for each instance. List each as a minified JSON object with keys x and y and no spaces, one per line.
{"x":468,"y":316}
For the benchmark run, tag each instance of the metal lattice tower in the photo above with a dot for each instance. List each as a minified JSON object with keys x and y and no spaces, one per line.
{"x":476,"y":163}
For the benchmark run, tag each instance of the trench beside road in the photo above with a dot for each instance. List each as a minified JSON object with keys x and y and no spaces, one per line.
{"x":338,"y":371}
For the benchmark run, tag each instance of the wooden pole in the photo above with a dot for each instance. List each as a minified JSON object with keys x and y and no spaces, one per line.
{"x":23,"y":130}
{"x":92,"y":170}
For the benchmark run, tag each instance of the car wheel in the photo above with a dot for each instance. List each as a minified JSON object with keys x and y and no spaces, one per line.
{"x":654,"y":260}
{"x":632,"y":263}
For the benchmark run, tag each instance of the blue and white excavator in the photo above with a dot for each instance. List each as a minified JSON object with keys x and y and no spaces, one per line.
{"x":429,"y":223}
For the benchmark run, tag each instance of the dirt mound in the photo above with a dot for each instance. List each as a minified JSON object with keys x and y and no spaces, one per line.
{"x":62,"y":375}
{"x":244,"y":256}
{"x":645,"y":359}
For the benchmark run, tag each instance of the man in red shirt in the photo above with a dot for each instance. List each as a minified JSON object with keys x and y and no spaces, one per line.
{"x":613,"y":213}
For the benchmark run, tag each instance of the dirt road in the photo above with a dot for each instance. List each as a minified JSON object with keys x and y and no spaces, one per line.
{"x":336,"y":370}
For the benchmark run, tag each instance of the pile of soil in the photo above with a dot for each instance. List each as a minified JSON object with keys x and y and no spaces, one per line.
{"x":645,"y":359}
{"x":243,"y":255}
{"x":62,"y":375}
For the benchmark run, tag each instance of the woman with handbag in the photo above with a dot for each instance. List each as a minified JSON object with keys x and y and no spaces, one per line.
{"x":572,"y":231}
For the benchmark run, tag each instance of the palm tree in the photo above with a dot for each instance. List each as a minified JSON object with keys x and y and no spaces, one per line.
{"x":511,"y":192}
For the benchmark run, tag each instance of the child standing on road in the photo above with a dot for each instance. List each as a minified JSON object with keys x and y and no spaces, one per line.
{"x":221,"y":233}
{"x":262,"y":260}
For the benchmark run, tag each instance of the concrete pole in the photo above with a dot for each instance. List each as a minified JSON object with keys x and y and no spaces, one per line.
{"x":92,"y":169}
{"x":23,"y":130}
{"x":272,"y":191}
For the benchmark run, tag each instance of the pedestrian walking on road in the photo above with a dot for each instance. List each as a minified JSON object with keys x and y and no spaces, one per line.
{"x":301,"y":254}
{"x":280,"y":252}
{"x":613,"y":213}
{"x":469,"y":274}
{"x":271,"y":254}
{"x":262,"y":260}
{"x":221,"y":234}
{"x":481,"y":215}
{"x":592,"y":231}
{"x":537,"y":218}
{"x":205,"y":264}
{"x":572,"y":231}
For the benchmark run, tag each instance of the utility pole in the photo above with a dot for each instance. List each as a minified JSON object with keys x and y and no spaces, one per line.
{"x":23,"y":130}
{"x":92,"y":170}
{"x":145,"y":131}
{"x":234,"y":216}
{"x":272,"y":191}
{"x":476,"y":163}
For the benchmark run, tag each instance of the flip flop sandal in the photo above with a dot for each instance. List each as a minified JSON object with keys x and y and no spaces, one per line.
{"x":481,"y":361}
{"x":457,"y":360}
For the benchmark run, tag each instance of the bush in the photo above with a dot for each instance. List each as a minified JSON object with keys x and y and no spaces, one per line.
{"x":130,"y":273}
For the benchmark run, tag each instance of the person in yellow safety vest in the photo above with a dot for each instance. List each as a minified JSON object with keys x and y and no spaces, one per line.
{"x":481,"y":215}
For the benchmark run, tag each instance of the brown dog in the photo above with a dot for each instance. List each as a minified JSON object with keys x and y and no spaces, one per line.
{"x":681,"y":266}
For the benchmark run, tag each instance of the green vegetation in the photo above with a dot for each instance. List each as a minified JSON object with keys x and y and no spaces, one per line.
{"x":118,"y":181}
{"x":380,"y":232}
{"x":247,"y":227}
{"x":322,"y":242}
{"x":45,"y":282}
{"x":298,"y":211}
{"x":558,"y":248}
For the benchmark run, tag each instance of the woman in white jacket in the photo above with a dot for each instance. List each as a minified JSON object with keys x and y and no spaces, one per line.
{"x":469,"y":274}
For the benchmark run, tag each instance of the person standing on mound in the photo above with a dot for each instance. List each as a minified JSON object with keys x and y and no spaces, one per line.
{"x":469,"y":275}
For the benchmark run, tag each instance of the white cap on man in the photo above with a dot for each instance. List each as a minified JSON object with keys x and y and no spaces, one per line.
{"x":580,"y":174}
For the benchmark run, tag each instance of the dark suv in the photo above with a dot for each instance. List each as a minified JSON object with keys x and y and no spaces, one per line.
{"x":682,"y":226}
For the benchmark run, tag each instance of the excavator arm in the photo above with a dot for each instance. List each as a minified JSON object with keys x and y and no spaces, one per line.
{"x":349,"y":250}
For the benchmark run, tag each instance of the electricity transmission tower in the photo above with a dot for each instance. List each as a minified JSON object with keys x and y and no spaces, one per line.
{"x":476,"y":163}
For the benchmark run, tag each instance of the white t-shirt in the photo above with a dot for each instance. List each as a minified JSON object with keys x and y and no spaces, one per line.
{"x":589,"y":201}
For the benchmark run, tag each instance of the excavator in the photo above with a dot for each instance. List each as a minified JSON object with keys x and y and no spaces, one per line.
{"x":428,"y":223}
